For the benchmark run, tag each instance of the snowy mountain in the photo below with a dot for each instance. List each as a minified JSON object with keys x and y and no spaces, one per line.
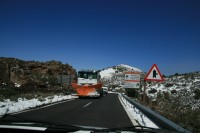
{"x":115,"y":75}
{"x":108,"y":72}
{"x":128,"y":68}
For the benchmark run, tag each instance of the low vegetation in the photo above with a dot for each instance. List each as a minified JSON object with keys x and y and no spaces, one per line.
{"x":13,"y":93}
{"x":178,"y":99}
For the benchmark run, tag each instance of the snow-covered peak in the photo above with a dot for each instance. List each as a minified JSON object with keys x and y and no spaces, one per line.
{"x":108,"y":72}
{"x":129,"y":68}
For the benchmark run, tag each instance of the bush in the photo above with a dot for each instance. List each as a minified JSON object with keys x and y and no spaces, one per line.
{"x":197,"y":94}
{"x":9,"y":93}
{"x":169,"y":85}
{"x":152,"y":91}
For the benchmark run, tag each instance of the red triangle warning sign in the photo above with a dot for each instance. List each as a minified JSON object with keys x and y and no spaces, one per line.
{"x":154,"y":74}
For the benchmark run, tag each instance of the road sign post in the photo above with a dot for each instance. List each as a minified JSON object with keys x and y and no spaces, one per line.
{"x":144,"y":96}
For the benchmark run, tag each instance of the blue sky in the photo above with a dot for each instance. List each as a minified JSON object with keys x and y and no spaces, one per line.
{"x":96,"y":34}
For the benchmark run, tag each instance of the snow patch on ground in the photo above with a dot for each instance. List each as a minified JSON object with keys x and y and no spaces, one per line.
{"x":7,"y":106}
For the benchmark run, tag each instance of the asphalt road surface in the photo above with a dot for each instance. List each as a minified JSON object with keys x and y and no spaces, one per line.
{"x":104,"y":112}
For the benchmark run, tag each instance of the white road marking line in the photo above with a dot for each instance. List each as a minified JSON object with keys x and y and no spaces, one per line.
{"x":30,"y":128}
{"x":87,"y":104}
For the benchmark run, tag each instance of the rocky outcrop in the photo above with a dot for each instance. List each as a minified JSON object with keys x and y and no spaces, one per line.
{"x":15,"y":71}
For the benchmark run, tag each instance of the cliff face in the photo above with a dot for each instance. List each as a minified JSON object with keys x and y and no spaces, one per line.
{"x":20,"y":72}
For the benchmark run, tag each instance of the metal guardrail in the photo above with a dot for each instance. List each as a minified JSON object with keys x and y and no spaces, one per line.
{"x":156,"y":118}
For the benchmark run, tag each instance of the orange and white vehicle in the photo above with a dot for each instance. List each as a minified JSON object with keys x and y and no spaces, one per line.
{"x":88,"y":84}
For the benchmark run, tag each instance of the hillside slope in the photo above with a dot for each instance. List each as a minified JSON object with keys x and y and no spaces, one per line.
{"x":177,"y":98}
{"x":184,"y":87}
{"x":39,"y":74}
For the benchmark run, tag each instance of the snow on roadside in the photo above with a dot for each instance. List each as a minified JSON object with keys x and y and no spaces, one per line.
{"x":7,"y":106}
{"x":136,"y":114}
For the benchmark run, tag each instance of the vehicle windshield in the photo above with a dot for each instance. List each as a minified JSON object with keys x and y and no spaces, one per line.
{"x":100,"y":65}
{"x":87,"y":75}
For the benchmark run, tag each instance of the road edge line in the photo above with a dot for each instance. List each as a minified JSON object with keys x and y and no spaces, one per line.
{"x":128,"y":113}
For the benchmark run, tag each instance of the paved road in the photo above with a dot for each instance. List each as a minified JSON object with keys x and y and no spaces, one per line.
{"x":104,"y":112}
